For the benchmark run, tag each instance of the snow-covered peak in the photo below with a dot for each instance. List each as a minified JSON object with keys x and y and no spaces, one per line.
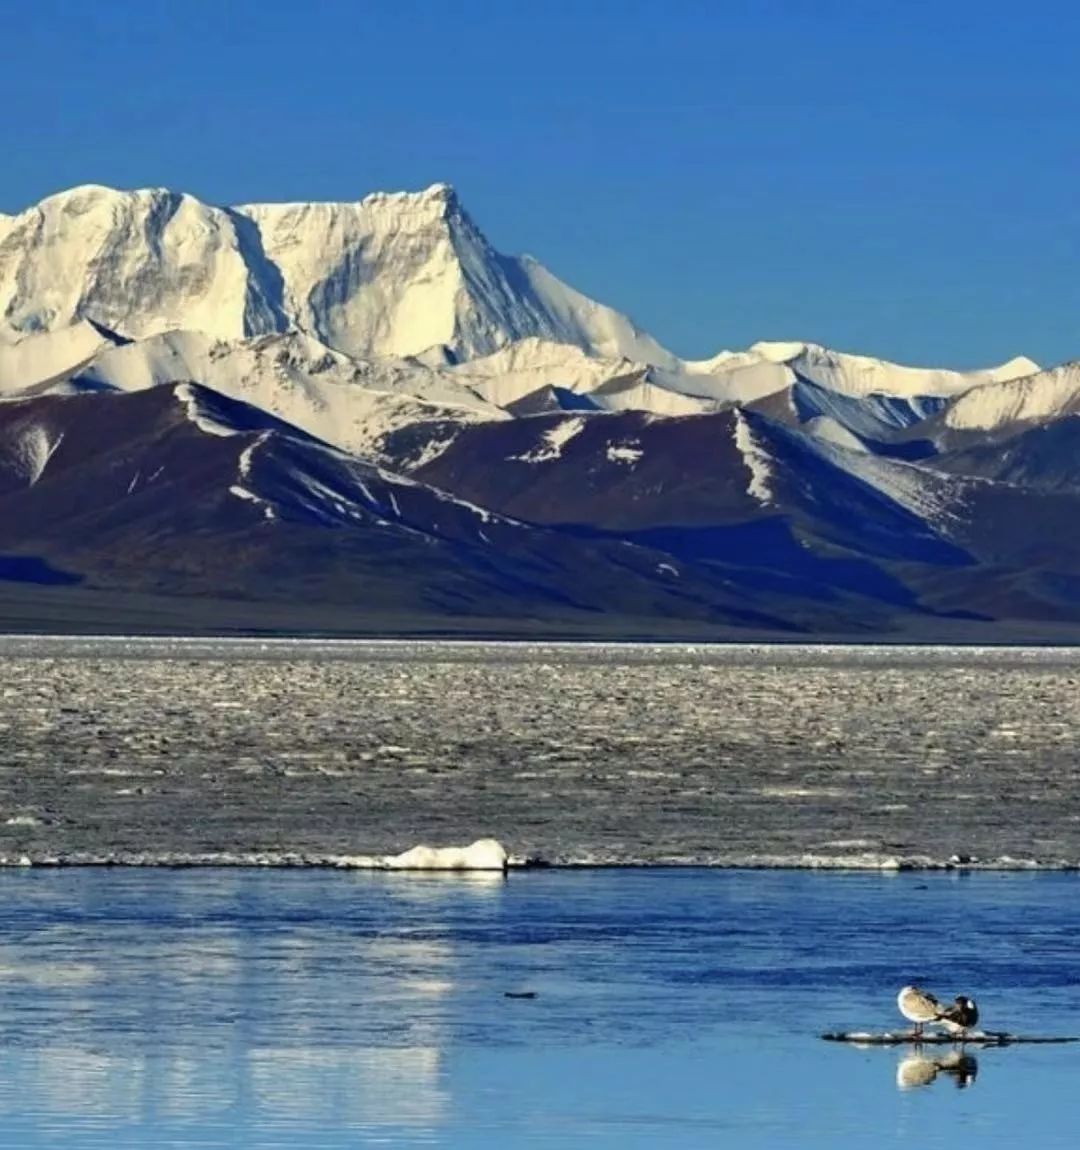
{"x":439,"y":197}
{"x":84,"y":197}
{"x":403,"y":282}
{"x":775,"y":351}
{"x":768,"y":367}
{"x":392,"y":274}
{"x":1016,"y":368}
{"x":863,"y":375}
{"x":377,"y":211}
{"x":1034,"y":398}
{"x":139,"y":262}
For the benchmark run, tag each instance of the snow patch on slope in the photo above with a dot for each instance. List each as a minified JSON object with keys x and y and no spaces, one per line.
{"x":929,"y":495}
{"x":756,"y":460}
{"x":824,"y":427}
{"x":729,"y":378}
{"x":521,"y":368}
{"x":871,"y":416}
{"x":552,"y":442}
{"x":628,"y":452}
{"x":244,"y":473}
{"x":431,"y":450}
{"x":602,"y":330}
{"x":31,"y":360}
{"x":197,"y":413}
{"x":31,"y":451}
{"x":251,"y":497}
{"x":637,"y":393}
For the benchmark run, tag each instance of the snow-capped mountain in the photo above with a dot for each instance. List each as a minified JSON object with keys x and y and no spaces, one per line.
{"x":364,"y":404}
{"x":391,"y":275}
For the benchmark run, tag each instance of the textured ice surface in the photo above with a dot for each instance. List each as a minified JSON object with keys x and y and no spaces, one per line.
{"x":151,"y":750}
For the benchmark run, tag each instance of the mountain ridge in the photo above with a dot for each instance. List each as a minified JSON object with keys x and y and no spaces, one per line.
{"x":166,"y":217}
{"x":366,"y":404}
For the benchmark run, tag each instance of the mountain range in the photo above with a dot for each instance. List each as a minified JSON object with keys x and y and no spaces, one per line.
{"x":362,"y":418}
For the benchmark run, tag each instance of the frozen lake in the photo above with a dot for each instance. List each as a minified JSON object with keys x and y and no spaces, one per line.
{"x":151,"y":750}
{"x":675,"y":1008}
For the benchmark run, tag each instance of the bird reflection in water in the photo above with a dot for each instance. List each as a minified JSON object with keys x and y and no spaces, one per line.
{"x":917,"y":1069}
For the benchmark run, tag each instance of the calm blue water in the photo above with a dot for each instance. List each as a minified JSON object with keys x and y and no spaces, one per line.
{"x":673,"y":1008}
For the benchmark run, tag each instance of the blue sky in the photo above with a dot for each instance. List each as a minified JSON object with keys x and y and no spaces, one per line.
{"x":897,"y":178}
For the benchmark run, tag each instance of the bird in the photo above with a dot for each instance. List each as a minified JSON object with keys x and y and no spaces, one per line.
{"x":960,"y":1016}
{"x":962,"y":1068}
{"x":917,"y":1070}
{"x":918,"y":1006}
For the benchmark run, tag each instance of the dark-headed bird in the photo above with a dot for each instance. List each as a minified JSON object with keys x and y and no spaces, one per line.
{"x":960,"y":1017}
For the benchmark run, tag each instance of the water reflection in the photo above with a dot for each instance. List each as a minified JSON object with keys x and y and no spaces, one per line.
{"x":200,"y":1000}
{"x":347,"y":1087}
{"x":258,"y":1011}
{"x":917,"y":1069}
{"x":373,"y":1086}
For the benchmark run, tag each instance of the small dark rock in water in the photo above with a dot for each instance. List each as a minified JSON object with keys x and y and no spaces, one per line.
{"x":519,"y":993}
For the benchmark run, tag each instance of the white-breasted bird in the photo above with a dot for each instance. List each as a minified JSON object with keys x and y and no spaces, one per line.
{"x":916,"y":1070}
{"x":918,"y":1006}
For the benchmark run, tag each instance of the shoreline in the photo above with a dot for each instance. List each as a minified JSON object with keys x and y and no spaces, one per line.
{"x":455,"y":639}
{"x":256,"y":861}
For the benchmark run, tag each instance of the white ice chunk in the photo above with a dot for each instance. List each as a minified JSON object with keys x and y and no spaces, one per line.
{"x":484,"y":854}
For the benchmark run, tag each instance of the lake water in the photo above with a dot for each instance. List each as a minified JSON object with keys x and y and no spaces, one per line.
{"x":674,"y":1008}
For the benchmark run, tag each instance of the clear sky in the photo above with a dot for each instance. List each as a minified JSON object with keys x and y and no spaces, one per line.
{"x":899,"y":178}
